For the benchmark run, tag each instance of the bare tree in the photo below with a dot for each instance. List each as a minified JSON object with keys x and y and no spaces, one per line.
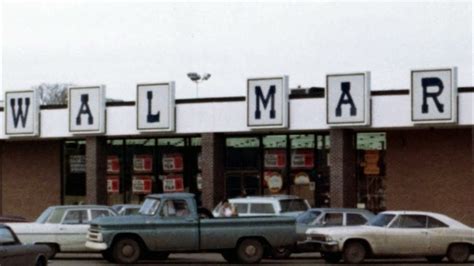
{"x":52,"y":93}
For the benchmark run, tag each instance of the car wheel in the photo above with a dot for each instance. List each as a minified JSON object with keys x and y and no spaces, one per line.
{"x":281,"y":253}
{"x":229,"y":256}
{"x":107,"y":255}
{"x":331,"y":257}
{"x":434,"y":259}
{"x":354,"y":252}
{"x":126,"y":250}
{"x":250,"y":251}
{"x":458,"y":253}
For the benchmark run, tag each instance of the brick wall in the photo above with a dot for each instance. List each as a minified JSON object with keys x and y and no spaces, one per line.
{"x":213,"y":183}
{"x":31,"y":177}
{"x":431,"y":170}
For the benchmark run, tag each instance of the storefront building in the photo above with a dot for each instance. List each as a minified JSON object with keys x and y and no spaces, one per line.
{"x":344,"y":145}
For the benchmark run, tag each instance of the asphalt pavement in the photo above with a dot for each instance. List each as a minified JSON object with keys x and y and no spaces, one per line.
{"x":216,"y":259}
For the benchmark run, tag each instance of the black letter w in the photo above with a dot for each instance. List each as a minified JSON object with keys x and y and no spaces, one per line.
{"x":19,"y":113}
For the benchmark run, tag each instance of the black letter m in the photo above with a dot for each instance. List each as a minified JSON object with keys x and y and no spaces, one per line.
{"x":265,"y":101}
{"x":19,"y":114}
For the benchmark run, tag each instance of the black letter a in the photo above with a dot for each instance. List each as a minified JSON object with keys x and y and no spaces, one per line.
{"x":84,"y":109}
{"x":346,"y":87}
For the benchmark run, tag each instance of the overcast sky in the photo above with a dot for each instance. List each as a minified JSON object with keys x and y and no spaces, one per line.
{"x":120,"y":44}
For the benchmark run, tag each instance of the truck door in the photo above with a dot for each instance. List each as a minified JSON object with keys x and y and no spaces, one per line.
{"x":177,"y":228}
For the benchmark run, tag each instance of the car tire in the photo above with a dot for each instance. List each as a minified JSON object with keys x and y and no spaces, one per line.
{"x":458,"y":253}
{"x":331,"y":257}
{"x":354,"y":252}
{"x":107,"y":255}
{"x":41,"y":261}
{"x":250,"y":251}
{"x":229,"y":256}
{"x":126,"y":251}
{"x":281,"y":253}
{"x":435,"y":259}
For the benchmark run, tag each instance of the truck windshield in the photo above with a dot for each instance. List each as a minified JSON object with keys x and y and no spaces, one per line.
{"x":381,"y":220}
{"x":293,"y":205}
{"x":149,"y":207}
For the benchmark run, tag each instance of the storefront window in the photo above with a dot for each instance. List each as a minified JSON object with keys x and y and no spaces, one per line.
{"x":275,"y":174}
{"x":74,"y":171}
{"x":371,"y":170}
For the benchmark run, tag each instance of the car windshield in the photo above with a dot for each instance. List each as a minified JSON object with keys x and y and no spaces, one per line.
{"x":307,"y":217}
{"x":293,"y":205}
{"x":150,"y":206}
{"x":381,"y":220}
{"x":44,"y":216}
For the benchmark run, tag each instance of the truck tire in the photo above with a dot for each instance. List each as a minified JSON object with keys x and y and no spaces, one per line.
{"x":331,"y":257}
{"x":354,"y":252}
{"x":249,"y":251}
{"x":281,"y":253}
{"x":126,"y":251}
{"x":458,"y":253}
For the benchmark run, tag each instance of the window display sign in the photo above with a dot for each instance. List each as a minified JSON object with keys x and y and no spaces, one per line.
{"x":275,"y":158}
{"x":301,"y":178}
{"x":173,"y":183}
{"x":113,"y":184}
{"x":274,"y":181}
{"x":199,"y":181}
{"x":113,"y":164}
{"x":371,"y":162}
{"x":77,"y":164}
{"x":142,"y":163}
{"x":172,"y":162}
{"x":302,"y":159}
{"x":141,"y":184}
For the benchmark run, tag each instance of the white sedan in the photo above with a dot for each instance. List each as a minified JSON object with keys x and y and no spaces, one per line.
{"x":397,"y":234}
{"x":62,"y":228}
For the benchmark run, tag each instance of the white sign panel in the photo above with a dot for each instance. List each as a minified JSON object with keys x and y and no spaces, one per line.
{"x":348,"y":99}
{"x":21,"y":113}
{"x":155,"y":107}
{"x":434,"y":96}
{"x":87,"y":110}
{"x":267,"y":102}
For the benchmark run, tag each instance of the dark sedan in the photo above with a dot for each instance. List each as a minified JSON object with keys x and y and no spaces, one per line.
{"x":13,"y":252}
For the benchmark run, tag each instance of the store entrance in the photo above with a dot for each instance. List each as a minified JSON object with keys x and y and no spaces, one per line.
{"x":242,"y":183}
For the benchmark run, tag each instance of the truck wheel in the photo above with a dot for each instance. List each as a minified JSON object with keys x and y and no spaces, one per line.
{"x":281,"y":253}
{"x":126,"y":250}
{"x":250,"y":251}
{"x":458,"y":253}
{"x":354,"y":252}
{"x":331,"y":257}
{"x":229,"y":256}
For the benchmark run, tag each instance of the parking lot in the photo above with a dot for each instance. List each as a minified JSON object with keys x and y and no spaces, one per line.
{"x":216,"y":259}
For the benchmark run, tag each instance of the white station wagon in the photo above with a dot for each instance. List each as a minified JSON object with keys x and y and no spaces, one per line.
{"x":62,"y":228}
{"x":397,"y":234}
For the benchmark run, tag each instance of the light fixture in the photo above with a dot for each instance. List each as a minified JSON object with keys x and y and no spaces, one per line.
{"x":196,"y":78}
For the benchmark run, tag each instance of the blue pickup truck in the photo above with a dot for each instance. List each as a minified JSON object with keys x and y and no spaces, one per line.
{"x":170,"y":223}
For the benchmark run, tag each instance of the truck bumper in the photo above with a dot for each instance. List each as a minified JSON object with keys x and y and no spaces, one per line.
{"x":96,"y":245}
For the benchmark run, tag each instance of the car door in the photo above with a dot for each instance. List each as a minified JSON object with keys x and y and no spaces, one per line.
{"x":73,"y":230}
{"x":438,"y":233}
{"x":407,"y":235}
{"x":177,"y":227}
